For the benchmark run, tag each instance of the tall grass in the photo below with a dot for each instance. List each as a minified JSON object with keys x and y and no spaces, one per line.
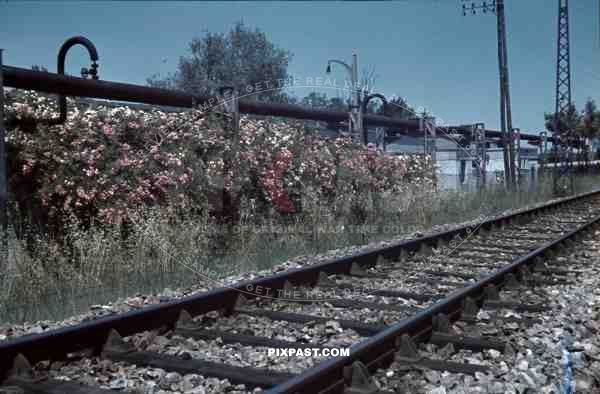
{"x":161,"y":252}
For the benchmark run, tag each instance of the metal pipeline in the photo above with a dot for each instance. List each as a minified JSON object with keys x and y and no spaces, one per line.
{"x":21,"y":78}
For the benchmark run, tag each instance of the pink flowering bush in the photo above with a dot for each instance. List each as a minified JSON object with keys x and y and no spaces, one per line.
{"x":105,"y":162}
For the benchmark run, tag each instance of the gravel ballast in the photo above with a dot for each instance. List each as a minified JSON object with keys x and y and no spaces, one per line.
{"x":546,"y":357}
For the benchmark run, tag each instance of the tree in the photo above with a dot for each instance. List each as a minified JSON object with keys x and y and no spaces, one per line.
{"x":398,"y":108}
{"x":590,"y":125}
{"x":367,"y":86}
{"x":321,"y":101}
{"x":575,"y":127}
{"x":242,"y":58}
{"x":568,"y":123}
{"x":337,"y":104}
{"x":566,"y":126}
{"x":316,"y":100}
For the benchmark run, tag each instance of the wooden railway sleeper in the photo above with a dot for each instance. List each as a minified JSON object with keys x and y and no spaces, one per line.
{"x":541,"y":267}
{"x":408,"y":354}
{"x":443,"y":334}
{"x":325,"y":282}
{"x":366,"y":329}
{"x":357,"y":304}
{"x":185,"y":327}
{"x":22,"y":379}
{"x":492,"y":300}
{"x":118,"y":350}
{"x":470,"y":311}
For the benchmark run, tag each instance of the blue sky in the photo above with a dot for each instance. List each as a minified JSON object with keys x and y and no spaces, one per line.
{"x":424,"y":50}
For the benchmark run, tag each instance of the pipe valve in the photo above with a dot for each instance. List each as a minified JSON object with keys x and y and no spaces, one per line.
{"x":92,"y":71}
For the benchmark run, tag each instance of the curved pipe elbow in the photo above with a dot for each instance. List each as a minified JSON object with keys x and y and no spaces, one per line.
{"x":372,"y":96}
{"x":363,"y":109}
{"x":62,"y":54}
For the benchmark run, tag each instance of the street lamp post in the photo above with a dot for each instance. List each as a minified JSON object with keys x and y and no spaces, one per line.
{"x":353,"y":126}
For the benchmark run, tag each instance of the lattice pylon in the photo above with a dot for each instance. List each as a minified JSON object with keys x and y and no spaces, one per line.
{"x":563,"y":61}
{"x":563,"y":98}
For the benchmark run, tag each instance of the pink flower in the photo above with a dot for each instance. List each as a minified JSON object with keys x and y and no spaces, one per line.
{"x":184,"y":178}
{"x":125,"y":161}
{"x":27,"y":169}
{"x":108,"y":130}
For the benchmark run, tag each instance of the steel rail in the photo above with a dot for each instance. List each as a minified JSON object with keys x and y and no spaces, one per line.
{"x":328,"y":377}
{"x":47,"y":82}
{"x":57,"y":344}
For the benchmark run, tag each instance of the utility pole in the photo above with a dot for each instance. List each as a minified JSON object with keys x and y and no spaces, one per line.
{"x":563,"y":98}
{"x":506,"y":90}
{"x":497,"y":7}
{"x":517,"y":138}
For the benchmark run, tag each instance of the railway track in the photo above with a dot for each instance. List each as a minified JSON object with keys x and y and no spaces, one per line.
{"x":381,"y":304}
